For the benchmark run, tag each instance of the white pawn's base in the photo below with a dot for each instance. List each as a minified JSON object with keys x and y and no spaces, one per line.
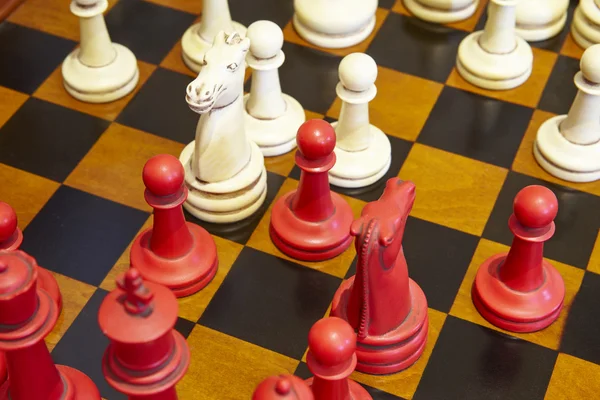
{"x":494,"y":71}
{"x":194,"y":46}
{"x":230,"y":200}
{"x":563,"y":159}
{"x":585,"y":27}
{"x":101,"y":84}
{"x":356,"y":169}
{"x":275,"y":136}
{"x":458,"y":11}
{"x":330,"y":41}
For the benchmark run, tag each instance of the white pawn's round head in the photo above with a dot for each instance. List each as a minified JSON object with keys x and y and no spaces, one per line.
{"x":358,"y":72}
{"x":266,"y":39}
{"x":590,"y":64}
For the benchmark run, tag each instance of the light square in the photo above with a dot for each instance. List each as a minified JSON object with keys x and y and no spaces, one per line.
{"x":594,"y":264}
{"x":571,"y":48}
{"x":10,"y":101}
{"x":573,"y":379}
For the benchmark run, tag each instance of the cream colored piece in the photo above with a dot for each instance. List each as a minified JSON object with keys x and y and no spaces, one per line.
{"x":334,"y":24}
{"x":363,"y":152}
{"x":442,"y":11}
{"x":224,"y":170}
{"x":98,"y":71}
{"x":541,"y":19}
{"x":199,"y":37}
{"x":272,"y":118}
{"x":585,"y":27}
{"x":496,"y":58}
{"x":568,"y":146}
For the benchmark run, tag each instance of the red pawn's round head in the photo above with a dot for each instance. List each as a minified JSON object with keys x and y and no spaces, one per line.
{"x":8,"y":221}
{"x":315,"y":139}
{"x":163,"y":175}
{"x":535,"y":206}
{"x":332,"y":341}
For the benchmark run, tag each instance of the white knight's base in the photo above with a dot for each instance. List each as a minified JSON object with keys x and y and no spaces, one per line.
{"x":442,"y":11}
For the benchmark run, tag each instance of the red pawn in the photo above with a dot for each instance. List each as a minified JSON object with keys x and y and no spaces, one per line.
{"x":175,"y":253}
{"x":28,"y":314}
{"x":146,"y":357}
{"x":519,"y":291}
{"x":283,"y":387}
{"x":331,"y":358}
{"x":312,"y":223}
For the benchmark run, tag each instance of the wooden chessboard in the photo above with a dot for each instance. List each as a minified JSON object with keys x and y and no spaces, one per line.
{"x":72,"y":171}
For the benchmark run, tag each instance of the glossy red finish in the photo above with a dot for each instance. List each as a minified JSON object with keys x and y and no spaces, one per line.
{"x":8,"y":225}
{"x":163,"y":175}
{"x":282,"y":387}
{"x":535,"y":206}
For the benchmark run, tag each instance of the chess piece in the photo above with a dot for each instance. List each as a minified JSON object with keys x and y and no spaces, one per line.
{"x":28,"y":314}
{"x":363,"y":152}
{"x":331,"y":358}
{"x":539,"y":20}
{"x":496,"y":58}
{"x":224,"y":170}
{"x":272,"y":118}
{"x":334,"y":24}
{"x":568,"y":146}
{"x":199,"y":37}
{"x":282,"y":387}
{"x":312,"y":223}
{"x":175,"y":253}
{"x":146,"y":356}
{"x":379,"y":298}
{"x":98,"y":71}
{"x":442,"y":11}
{"x":519,"y":291}
{"x":585,"y":27}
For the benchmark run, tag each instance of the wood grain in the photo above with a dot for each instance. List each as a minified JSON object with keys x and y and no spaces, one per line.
{"x":10,"y":102}
{"x":573,"y":379}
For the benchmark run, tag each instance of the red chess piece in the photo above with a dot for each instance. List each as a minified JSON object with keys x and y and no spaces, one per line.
{"x":146,"y":357}
{"x":28,"y":314}
{"x":386,"y":307}
{"x":519,"y":291}
{"x":175,"y":253}
{"x":283,"y":387}
{"x":312,"y":223}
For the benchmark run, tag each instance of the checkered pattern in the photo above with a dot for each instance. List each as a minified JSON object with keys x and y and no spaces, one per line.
{"x":72,"y":171}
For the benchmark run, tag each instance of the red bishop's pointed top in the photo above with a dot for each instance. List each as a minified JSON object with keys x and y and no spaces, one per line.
{"x":535,"y":206}
{"x":282,"y":387}
{"x":332,"y":341}
{"x":163,"y":175}
{"x":315,"y":139}
{"x":8,"y":221}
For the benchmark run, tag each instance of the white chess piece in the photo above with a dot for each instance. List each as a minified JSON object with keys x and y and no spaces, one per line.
{"x":568,"y":146}
{"x":334,"y":23}
{"x":585,"y":27}
{"x":363,"y":152}
{"x":442,"y":11}
{"x":272,"y":118}
{"x":541,"y":19}
{"x":98,"y":71}
{"x":199,"y":37}
{"x":496,"y":58}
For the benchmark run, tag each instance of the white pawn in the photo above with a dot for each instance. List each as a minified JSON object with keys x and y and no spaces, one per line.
{"x":568,"y":146}
{"x":442,"y":11}
{"x":334,"y":24}
{"x":585,"y":27}
{"x":363,"y":152}
{"x":541,"y":19}
{"x":272,"y":118}
{"x":199,"y":37}
{"x":496,"y":58}
{"x":98,"y":71}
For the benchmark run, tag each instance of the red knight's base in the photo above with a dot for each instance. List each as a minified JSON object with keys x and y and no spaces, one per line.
{"x":396,"y":350}
{"x":513,"y":310}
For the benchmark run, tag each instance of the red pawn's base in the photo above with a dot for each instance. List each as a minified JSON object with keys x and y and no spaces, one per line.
{"x":516,"y":311}
{"x":357,"y":392}
{"x":396,"y":350}
{"x":311,"y":241}
{"x":185,"y":275}
{"x":47,"y":282}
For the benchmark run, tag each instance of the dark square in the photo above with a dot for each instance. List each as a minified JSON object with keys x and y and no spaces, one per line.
{"x":246,"y":12}
{"x":560,"y":90}
{"x":577,"y":221}
{"x":149,"y":30}
{"x":581,"y":336}
{"x":471,"y":362}
{"x":80,"y":235}
{"x":160,"y":108}
{"x":386,"y":3}
{"x":270,"y":302}
{"x":29,"y":56}
{"x":416,"y":47}
{"x":241,"y":231}
{"x":476,"y":126}
{"x":47,"y":139}
{"x":184,"y":326}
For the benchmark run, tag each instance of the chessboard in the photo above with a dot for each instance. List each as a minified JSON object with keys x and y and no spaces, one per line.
{"x":72,"y":171}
